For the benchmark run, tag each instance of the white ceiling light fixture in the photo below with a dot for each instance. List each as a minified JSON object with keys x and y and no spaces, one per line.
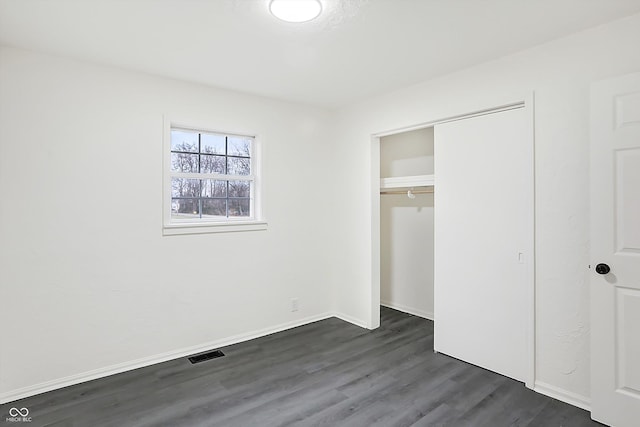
{"x":295,"y":10}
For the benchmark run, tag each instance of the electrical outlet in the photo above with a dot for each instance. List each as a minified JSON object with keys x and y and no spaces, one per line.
{"x":294,"y":304}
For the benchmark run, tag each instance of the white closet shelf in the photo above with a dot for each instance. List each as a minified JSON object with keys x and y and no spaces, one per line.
{"x":407,"y":181}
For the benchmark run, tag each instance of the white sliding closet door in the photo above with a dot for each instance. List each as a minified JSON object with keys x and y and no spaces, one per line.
{"x":482,"y":200}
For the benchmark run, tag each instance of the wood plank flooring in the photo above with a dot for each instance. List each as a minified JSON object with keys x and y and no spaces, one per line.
{"x":328,"y":373}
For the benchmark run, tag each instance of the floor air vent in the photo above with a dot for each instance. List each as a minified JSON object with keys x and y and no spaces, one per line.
{"x":206,"y":356}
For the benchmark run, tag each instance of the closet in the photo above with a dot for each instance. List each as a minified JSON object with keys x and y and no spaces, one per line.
{"x":456,"y":235}
{"x":406,"y":222}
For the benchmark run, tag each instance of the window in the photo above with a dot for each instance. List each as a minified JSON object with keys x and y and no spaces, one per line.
{"x":210,"y":181}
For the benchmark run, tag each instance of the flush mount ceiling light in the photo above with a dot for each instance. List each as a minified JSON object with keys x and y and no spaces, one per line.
{"x":295,"y":10}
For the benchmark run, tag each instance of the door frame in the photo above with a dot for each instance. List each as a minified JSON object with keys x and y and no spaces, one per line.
{"x":527,"y":103}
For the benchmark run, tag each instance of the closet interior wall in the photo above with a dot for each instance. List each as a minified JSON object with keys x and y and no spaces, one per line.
{"x":406,"y":226}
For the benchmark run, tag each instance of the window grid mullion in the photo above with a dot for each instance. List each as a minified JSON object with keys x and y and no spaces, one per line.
{"x":216,"y":177}
{"x":200,"y":171}
{"x":226,"y":169}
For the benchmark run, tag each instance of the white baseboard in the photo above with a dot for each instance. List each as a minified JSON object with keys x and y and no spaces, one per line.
{"x":352,"y":320}
{"x":10,"y":396}
{"x":32,"y":390}
{"x":416,"y":312}
{"x":565,"y":396}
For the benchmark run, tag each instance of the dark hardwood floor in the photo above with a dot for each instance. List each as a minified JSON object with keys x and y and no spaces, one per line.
{"x":328,"y":373}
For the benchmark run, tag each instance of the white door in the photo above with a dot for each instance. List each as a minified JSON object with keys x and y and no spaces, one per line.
{"x":615,"y":247}
{"x":483,"y":240}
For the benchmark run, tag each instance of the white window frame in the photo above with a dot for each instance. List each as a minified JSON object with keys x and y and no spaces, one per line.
{"x":256,"y":219}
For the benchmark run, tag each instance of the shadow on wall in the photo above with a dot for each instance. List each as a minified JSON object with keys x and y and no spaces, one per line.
{"x":406,"y":251}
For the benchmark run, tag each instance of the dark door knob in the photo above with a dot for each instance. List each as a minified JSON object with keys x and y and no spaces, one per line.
{"x":602,"y":269}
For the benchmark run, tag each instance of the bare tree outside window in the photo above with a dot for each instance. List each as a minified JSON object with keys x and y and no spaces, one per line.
{"x":224,"y":161}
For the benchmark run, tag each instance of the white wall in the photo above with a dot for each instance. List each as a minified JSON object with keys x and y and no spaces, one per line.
{"x":560,"y":73}
{"x":407,"y":153}
{"x":87,"y":279}
{"x":406,"y":226}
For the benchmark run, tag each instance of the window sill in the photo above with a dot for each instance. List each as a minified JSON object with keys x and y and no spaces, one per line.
{"x":205,"y":228}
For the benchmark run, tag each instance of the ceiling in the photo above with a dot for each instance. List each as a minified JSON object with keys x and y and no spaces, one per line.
{"x":356,"y":48}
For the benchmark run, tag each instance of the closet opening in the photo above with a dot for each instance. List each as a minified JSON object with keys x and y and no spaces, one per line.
{"x":407,"y":222}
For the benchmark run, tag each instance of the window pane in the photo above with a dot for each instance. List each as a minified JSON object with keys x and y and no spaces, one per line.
{"x":181,"y":187}
{"x":183,"y":162}
{"x":185,"y":208}
{"x":212,"y":188}
{"x":239,"y":188}
{"x":212,"y":144}
{"x":239,"y":166}
{"x":239,"y":207}
{"x":214,"y":207}
{"x":184,"y":141}
{"x":212,"y":164}
{"x":239,"y":146}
